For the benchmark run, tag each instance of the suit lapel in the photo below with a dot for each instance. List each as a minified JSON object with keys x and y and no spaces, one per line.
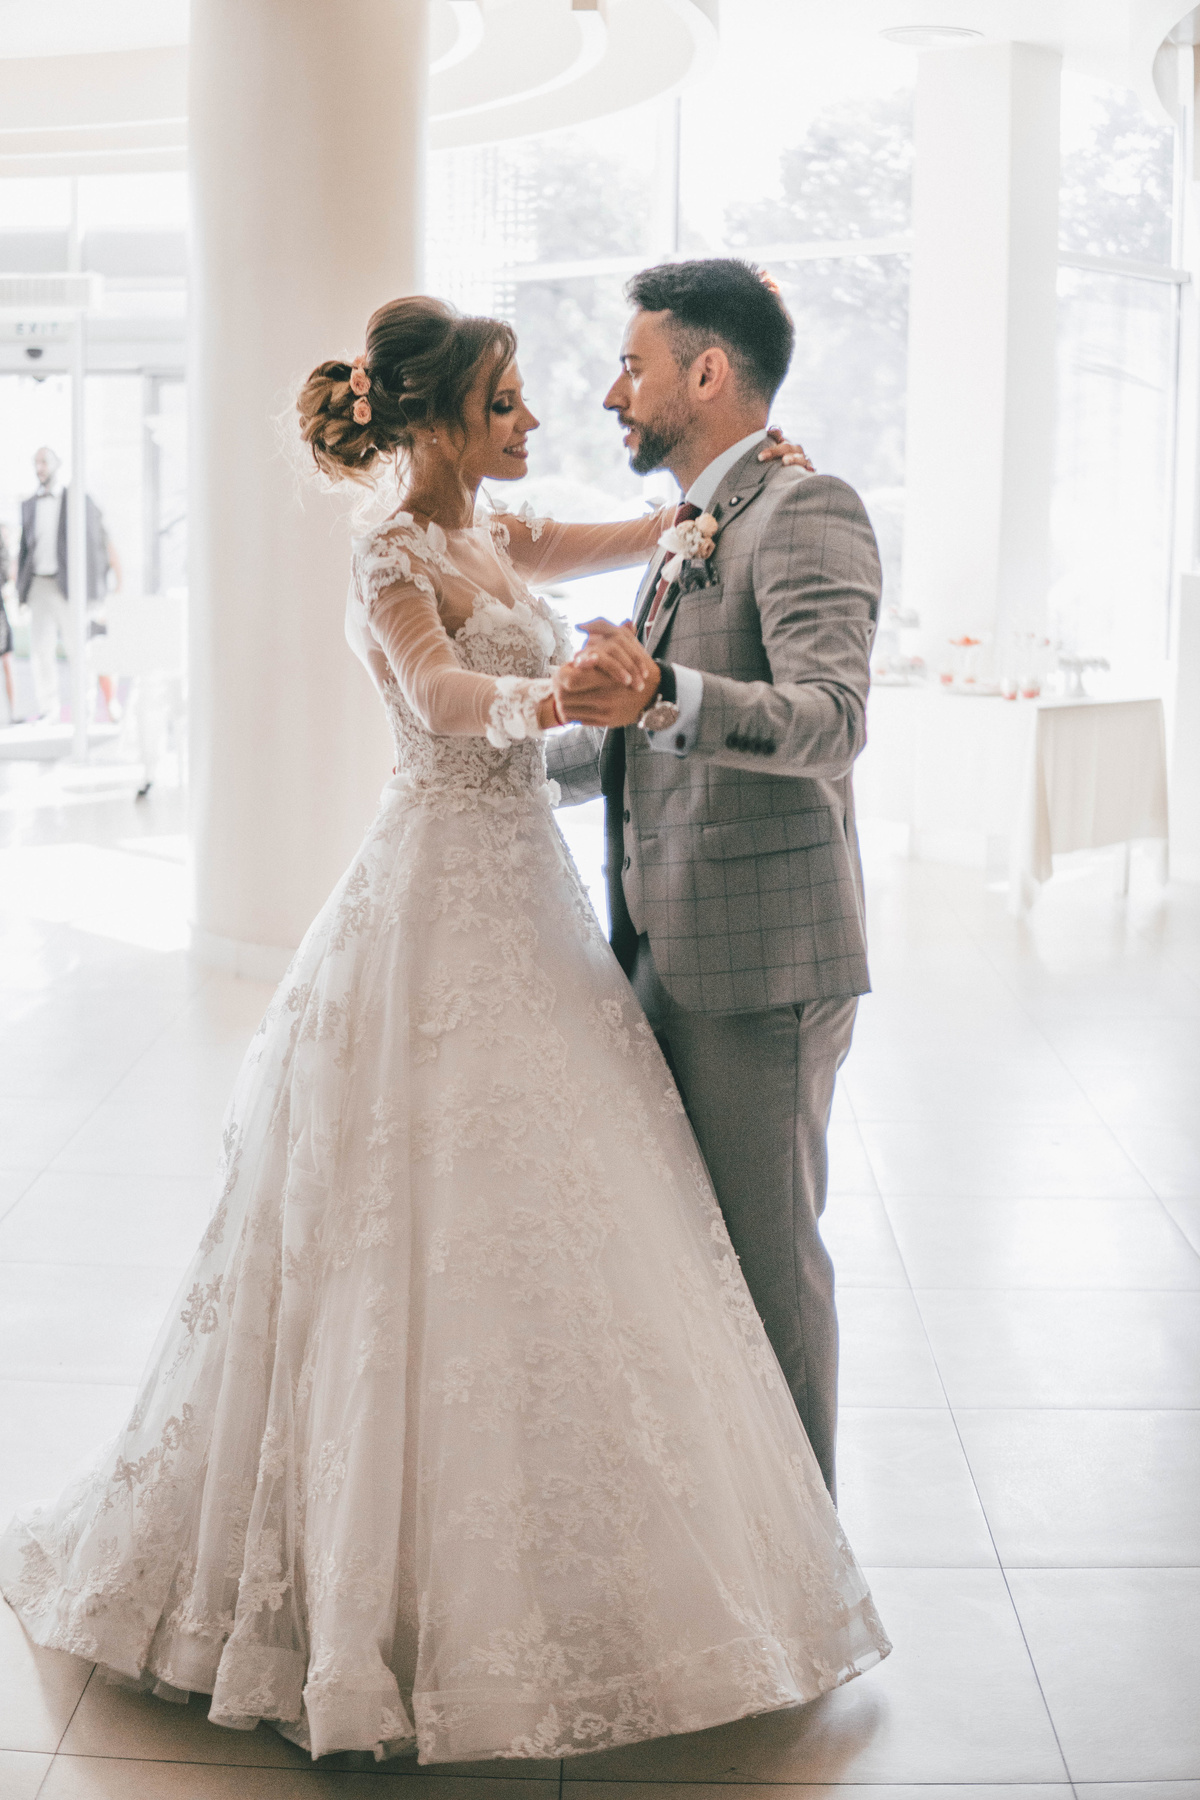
{"x":742,"y":484}
{"x":666,"y":613}
{"x":645,"y":593}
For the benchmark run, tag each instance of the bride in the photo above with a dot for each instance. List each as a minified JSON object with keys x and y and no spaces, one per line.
{"x":462,"y":1430}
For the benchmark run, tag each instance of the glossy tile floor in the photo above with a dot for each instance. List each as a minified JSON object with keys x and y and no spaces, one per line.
{"x":1016,"y":1221}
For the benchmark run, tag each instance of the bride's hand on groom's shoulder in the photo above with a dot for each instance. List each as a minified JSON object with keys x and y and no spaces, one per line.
{"x":780,"y":449}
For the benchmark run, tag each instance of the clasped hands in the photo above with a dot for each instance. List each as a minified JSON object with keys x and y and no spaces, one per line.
{"x":609,"y":682}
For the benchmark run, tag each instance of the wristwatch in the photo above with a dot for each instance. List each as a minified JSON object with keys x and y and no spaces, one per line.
{"x":662,"y":711}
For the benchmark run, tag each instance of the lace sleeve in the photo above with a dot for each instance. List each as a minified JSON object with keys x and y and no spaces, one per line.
{"x":543,"y":550}
{"x":399,"y":553}
{"x":397,"y":578}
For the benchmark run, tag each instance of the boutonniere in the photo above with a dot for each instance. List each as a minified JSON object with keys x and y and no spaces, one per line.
{"x":691,"y":544}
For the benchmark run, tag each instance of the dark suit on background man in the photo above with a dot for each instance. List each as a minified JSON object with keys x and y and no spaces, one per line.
{"x":42,"y":583}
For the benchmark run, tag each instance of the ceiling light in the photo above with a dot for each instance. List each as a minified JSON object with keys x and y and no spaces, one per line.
{"x":930,"y":37}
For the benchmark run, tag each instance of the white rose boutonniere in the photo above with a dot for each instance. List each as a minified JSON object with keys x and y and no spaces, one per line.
{"x":687,"y":542}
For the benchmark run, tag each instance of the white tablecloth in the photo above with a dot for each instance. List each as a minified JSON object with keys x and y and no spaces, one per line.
{"x":1096,"y":774}
{"x":1001,"y":783}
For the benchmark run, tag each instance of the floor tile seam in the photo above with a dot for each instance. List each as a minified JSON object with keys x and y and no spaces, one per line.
{"x":927,"y":1287}
{"x":996,"y":1550}
{"x":953,"y":1115}
{"x":1015,"y":1568}
{"x":973,"y":1406}
{"x":75,"y":1380}
{"x":110,"y":1090}
{"x":35,"y":1262}
{"x":1144,"y":1192}
{"x":877,"y":1194}
{"x":1050,"y":1719}
{"x":846,"y":1284}
{"x":70,"y":1721}
{"x":41,"y":1786}
{"x":1147,"y":1410}
{"x":950,"y":1197}
{"x":305,"y":1771}
{"x":34,"y":1175}
{"x":29,"y":1381}
{"x":891,"y":1287}
{"x":1160,"y":1197}
{"x":930,"y":1788}
{"x":985,"y":1287}
{"x":1040,"y":1029}
{"x":1096,"y":1568}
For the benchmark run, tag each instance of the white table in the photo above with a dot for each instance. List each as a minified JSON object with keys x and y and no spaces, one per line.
{"x":1095,"y":774}
{"x":1007,"y":784}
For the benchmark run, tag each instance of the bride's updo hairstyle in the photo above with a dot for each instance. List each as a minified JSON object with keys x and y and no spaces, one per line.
{"x":421,"y":362}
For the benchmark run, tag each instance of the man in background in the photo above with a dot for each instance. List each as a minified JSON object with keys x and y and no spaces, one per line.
{"x":42,"y":579}
{"x":6,"y":636}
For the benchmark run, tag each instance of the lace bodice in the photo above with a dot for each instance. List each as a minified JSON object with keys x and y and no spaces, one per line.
{"x":460,"y":651}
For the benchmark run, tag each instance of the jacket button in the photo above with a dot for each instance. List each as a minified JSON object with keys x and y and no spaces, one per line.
{"x":625,"y":864}
{"x":627,"y":815}
{"x":680,"y":741}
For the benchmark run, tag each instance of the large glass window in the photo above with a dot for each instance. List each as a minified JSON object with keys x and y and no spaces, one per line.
{"x":801,"y":160}
{"x":1112,"y":520}
{"x":810,"y":176}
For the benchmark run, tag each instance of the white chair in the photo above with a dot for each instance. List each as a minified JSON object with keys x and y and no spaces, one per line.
{"x":146,"y":639}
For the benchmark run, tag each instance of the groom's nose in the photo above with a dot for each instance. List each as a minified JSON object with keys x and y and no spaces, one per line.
{"x":617,"y":394}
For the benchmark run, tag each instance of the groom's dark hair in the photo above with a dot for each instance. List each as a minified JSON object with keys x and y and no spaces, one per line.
{"x":724,"y":301}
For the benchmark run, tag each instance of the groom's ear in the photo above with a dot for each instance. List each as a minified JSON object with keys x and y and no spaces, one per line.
{"x":711,"y":372}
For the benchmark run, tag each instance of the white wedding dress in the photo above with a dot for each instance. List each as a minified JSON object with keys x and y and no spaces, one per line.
{"x":462,"y":1430}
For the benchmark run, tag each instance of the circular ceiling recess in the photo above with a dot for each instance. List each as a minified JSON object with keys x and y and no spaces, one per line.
{"x":97,"y":90}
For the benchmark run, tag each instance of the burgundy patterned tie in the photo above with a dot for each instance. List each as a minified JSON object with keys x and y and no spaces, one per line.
{"x":684,"y":513}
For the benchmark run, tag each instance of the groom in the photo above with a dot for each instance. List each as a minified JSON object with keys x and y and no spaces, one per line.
{"x":734,"y":883}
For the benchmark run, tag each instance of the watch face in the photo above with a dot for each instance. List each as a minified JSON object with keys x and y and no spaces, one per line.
{"x":659,"y":717}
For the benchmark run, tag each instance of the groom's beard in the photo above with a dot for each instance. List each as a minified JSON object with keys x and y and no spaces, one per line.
{"x":657,"y":439}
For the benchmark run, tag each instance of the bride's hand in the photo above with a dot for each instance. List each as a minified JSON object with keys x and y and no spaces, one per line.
{"x":610,"y":682}
{"x":614,"y":651}
{"x":780,"y":450}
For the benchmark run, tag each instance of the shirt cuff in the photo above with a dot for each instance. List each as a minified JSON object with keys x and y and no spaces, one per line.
{"x":689,"y":695}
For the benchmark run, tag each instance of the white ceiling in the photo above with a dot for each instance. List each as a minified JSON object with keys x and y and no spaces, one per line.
{"x":1091,"y":32}
{"x":500,"y":67}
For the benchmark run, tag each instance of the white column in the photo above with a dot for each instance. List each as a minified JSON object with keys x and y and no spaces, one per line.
{"x":980,"y":440}
{"x":307,"y":128}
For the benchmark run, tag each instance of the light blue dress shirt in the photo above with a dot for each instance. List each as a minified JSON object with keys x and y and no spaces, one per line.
{"x":689,"y":683}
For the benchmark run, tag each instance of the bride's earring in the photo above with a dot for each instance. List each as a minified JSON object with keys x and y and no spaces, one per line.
{"x":433,"y":437}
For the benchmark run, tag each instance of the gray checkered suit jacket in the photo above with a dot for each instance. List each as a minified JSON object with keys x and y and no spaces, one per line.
{"x":740,"y":859}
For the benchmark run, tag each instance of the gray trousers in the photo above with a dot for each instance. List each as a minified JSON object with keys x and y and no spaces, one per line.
{"x":758,"y":1087}
{"x":49,"y":619}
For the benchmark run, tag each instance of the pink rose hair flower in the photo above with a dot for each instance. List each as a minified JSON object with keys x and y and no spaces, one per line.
{"x":362,"y":412}
{"x":360,"y":381}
